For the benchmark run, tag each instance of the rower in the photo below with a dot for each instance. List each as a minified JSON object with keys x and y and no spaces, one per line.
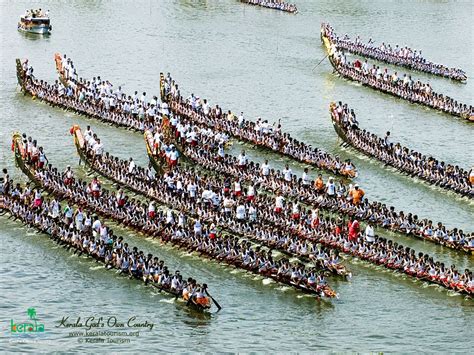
{"x":69,"y":176}
{"x":265,"y":169}
{"x":331,"y":187}
{"x":357,"y":195}
{"x":369,"y":233}
{"x":305,"y":178}
{"x":287,"y":173}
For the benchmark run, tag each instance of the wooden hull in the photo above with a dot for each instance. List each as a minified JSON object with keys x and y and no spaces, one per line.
{"x":157,"y":163}
{"x":338,"y":128}
{"x":79,"y":142}
{"x":327,"y":45}
{"x":20,"y":75}
{"x":20,"y":158}
{"x":60,"y":69}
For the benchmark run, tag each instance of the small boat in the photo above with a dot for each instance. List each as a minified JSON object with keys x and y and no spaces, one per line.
{"x":36,"y":22}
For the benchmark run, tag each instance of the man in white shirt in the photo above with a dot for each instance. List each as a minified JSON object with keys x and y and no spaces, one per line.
{"x":287,"y":173}
{"x":305,"y":177}
{"x":173,"y":157}
{"x":131,"y":166}
{"x":279,"y":203}
{"x":241,"y":119}
{"x":265,"y":169}
{"x":98,"y":149}
{"x":369,"y":233}
{"x":242,"y":159}
{"x":240,"y":212}
{"x":331,"y":187}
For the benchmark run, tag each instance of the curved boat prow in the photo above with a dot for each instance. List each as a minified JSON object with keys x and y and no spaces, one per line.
{"x":21,"y":156}
{"x":156,"y":161}
{"x":162,"y":87}
{"x":20,"y":74}
{"x":60,"y":69}
{"x":79,"y":142}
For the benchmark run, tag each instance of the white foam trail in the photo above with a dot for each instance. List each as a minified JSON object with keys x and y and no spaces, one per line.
{"x":167,"y":300}
{"x":267,"y":281}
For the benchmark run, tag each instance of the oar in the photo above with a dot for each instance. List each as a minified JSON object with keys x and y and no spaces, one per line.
{"x":215,"y":302}
{"x":320,"y":62}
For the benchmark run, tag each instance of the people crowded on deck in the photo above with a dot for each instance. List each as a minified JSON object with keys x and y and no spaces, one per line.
{"x":260,"y":132}
{"x":402,"y":158}
{"x":273,"y":4}
{"x":98,"y":108}
{"x":397,"y":55}
{"x":135,"y":214}
{"x":328,"y":231}
{"x":36,"y":13}
{"x":87,"y":234}
{"x":402,"y":86}
{"x":98,"y":98}
{"x":327,"y":195}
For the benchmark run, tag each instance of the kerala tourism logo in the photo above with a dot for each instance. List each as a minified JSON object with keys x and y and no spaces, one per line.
{"x":30,"y":326}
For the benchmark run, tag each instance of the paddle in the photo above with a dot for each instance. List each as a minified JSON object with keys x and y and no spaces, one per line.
{"x":320,"y":62}
{"x":215,"y":302}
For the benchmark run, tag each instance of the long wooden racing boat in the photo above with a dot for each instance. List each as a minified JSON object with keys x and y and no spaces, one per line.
{"x":341,"y":132}
{"x":331,"y":49}
{"x":180,"y":107}
{"x":340,"y":271}
{"x":204,"y":306}
{"x":140,"y":228}
{"x":21,"y":76}
{"x":338,"y":128}
{"x":79,"y":142}
{"x":272,"y":4}
{"x":389,"y":56}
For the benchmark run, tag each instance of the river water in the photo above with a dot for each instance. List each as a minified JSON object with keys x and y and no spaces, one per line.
{"x":261,"y":62}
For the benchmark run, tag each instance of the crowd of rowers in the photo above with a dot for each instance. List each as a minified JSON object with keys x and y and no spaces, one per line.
{"x":404,"y":87}
{"x":244,"y":203}
{"x":87,"y":234}
{"x":195,"y":234}
{"x":377,"y":212}
{"x":211,"y":200}
{"x":402,"y":158}
{"x":199,"y":236}
{"x":403,"y":56}
{"x":261,"y":133}
{"x":98,"y":98}
{"x":273,"y":4}
{"x":206,"y":149}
